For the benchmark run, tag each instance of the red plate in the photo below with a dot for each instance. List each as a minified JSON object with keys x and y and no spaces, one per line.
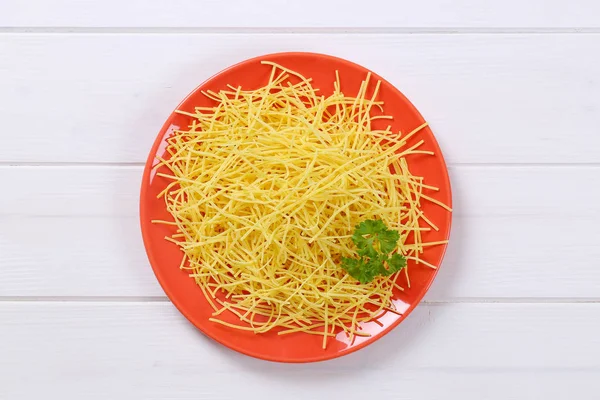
{"x":165,"y":257}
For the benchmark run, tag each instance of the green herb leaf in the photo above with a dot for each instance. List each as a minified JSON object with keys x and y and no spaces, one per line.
{"x":374,"y":243}
{"x":395,"y":263}
{"x":352,"y":266}
{"x":363,"y":269}
{"x":372,"y":237}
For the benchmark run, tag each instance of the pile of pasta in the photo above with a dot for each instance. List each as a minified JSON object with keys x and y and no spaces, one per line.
{"x":265,"y":189}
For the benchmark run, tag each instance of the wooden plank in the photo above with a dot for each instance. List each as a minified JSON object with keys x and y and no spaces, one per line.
{"x":487,"y":258}
{"x":147,"y":350}
{"x":489,"y":98}
{"x":306,"y":14}
{"x":478,"y":190}
{"x":254,"y":384}
{"x":67,"y":231}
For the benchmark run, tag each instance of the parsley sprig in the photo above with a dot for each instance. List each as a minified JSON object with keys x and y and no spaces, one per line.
{"x":374,"y":243}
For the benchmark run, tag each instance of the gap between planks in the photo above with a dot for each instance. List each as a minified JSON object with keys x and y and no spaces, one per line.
{"x":135,"y":164}
{"x":301,"y":30}
{"x":164,"y":299}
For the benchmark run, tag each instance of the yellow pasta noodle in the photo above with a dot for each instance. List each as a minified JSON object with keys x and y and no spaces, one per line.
{"x":266,"y":189}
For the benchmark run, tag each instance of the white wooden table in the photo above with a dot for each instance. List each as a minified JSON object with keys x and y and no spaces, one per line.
{"x":512,"y":91}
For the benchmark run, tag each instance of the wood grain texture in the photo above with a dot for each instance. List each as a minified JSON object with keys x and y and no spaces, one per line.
{"x":74,"y":231}
{"x":295,"y":14}
{"x":101,"y":98}
{"x":149,"y":351}
{"x":511,"y":90}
